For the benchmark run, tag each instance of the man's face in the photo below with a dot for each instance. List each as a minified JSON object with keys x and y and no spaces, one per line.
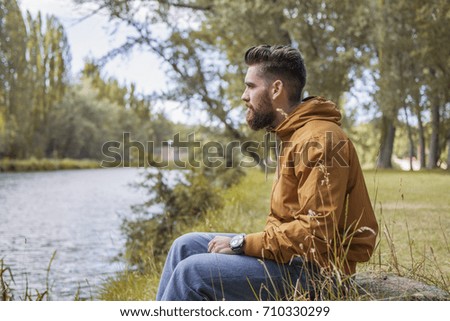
{"x":260,"y":111}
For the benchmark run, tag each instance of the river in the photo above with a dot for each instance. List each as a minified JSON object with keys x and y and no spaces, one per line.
{"x":76,"y":213}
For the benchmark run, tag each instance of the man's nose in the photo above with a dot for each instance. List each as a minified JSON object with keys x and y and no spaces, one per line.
{"x":244,"y":96}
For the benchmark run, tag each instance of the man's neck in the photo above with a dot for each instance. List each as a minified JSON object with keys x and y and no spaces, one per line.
{"x":282,"y":114}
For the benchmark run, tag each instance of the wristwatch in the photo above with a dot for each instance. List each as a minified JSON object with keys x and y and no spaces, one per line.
{"x":237,"y":243}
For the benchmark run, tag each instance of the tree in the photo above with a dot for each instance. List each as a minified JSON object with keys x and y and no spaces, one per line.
{"x":48,"y":63}
{"x":432,"y":19}
{"x":108,"y":88}
{"x":122,"y":97}
{"x":403,"y":43}
{"x":334,"y":40}
{"x":13,"y":73}
{"x":408,"y":61}
{"x":33,"y":72}
{"x":41,"y":112}
{"x":388,"y":31}
{"x":204,"y":54}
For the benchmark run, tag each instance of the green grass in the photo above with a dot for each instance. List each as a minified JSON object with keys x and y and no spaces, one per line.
{"x":130,"y":286}
{"x":45,"y":164}
{"x":51,"y":164}
{"x":412,"y":208}
{"x":414,"y":213}
{"x":7,"y":279}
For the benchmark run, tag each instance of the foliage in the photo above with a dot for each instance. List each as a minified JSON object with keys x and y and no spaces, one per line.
{"x":45,"y":164}
{"x":35,"y":61}
{"x":177,"y":199}
{"x":399,"y":48}
{"x":82,"y":123}
{"x":43,"y":113}
{"x":365,"y":137}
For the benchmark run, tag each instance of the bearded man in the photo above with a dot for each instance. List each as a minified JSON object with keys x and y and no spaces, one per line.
{"x":321,"y":221}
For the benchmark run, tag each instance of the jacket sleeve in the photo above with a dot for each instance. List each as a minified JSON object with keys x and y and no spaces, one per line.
{"x":311,"y":230}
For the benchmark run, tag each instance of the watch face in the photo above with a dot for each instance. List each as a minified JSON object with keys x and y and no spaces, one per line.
{"x":237,"y":242}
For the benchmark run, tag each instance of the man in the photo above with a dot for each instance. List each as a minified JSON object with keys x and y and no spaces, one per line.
{"x":321,"y":222}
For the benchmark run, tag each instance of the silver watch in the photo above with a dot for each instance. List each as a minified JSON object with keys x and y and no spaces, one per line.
{"x":237,"y":243}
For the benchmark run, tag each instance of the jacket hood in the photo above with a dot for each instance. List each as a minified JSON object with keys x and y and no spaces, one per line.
{"x":311,"y":108}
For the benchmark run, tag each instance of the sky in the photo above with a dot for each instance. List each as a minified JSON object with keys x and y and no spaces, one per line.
{"x":91,"y":38}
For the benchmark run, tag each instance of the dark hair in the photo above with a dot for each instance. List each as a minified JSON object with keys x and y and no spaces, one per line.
{"x":282,"y":62}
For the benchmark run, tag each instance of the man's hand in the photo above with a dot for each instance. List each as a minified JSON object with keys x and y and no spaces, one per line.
{"x":220,"y":244}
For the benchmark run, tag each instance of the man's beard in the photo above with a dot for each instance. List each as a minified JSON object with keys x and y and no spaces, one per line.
{"x":263,"y":115}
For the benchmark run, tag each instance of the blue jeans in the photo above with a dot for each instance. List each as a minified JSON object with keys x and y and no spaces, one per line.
{"x":192,"y":274}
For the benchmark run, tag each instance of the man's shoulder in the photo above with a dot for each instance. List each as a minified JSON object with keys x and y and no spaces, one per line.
{"x":318,"y":129}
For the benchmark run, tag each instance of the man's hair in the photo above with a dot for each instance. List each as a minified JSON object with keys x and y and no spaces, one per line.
{"x":283,"y":62}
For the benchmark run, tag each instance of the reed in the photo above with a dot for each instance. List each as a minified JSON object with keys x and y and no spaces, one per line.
{"x":7,"y":282}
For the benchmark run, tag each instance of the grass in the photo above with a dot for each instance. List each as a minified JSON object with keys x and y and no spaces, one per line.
{"x":131,"y":286}
{"x":51,"y":164}
{"x":412,"y":209}
{"x":7,"y":280}
{"x":45,"y":164}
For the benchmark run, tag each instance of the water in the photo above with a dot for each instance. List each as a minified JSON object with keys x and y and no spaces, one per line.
{"x":76,"y":213}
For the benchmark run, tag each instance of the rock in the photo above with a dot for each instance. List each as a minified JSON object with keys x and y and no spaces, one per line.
{"x":385,"y":286}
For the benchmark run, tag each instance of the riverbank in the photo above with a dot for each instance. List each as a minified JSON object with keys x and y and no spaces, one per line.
{"x":53,"y":164}
{"x":412,"y":209}
{"x":45,"y":164}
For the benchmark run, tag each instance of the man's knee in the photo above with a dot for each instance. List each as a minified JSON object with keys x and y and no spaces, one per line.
{"x":188,"y":281}
{"x":189,"y":272}
{"x":194,"y":264}
{"x":186,"y":240}
{"x":191,"y":243}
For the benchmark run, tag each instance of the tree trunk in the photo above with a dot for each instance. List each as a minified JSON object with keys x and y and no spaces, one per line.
{"x":387,"y":143}
{"x":422,"y":156}
{"x":410,"y":139}
{"x":434,"y":140}
{"x":448,"y":150}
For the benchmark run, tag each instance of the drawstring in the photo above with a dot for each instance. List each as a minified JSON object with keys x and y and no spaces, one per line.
{"x":267,"y":154}
{"x":266,"y":145}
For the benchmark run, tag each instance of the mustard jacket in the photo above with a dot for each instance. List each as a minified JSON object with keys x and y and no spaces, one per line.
{"x":320,"y":207}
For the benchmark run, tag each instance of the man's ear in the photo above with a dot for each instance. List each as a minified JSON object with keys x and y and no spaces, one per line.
{"x":277,"y":89}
